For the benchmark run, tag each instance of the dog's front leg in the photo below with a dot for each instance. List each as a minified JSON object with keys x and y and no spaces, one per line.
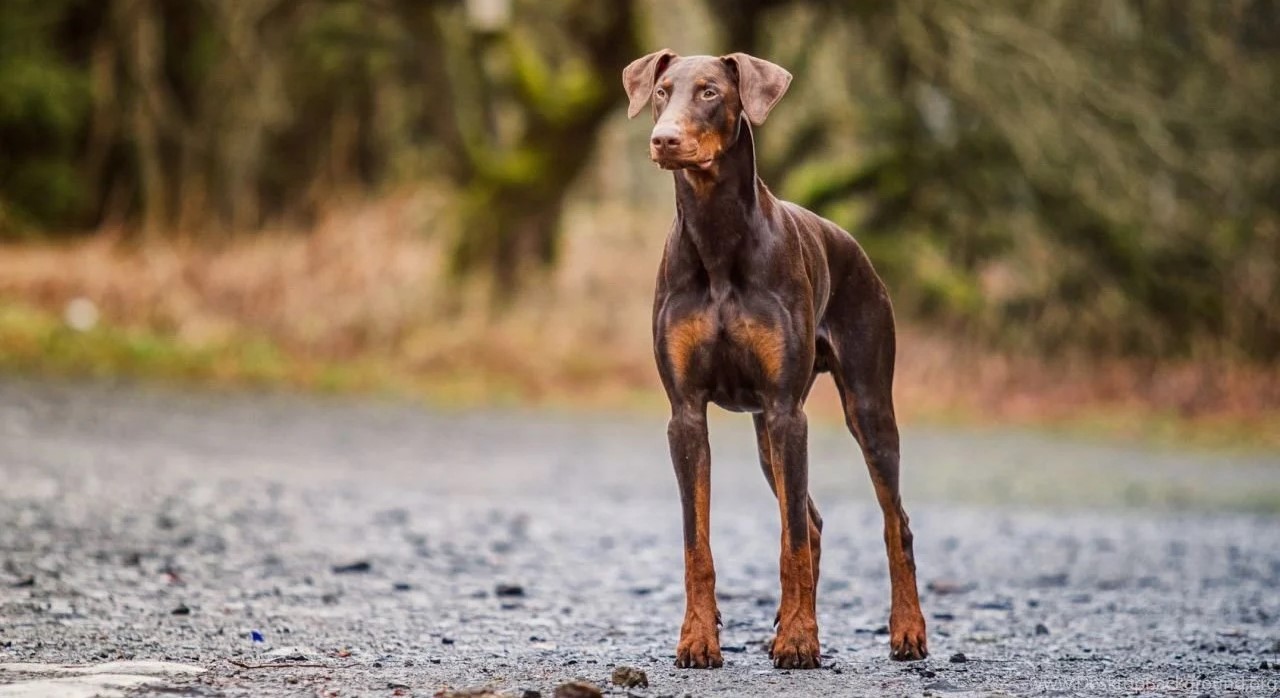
{"x":691,"y":455}
{"x":796,"y":644}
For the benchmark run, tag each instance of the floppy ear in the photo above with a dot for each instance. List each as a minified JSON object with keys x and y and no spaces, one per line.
{"x":760,"y":84}
{"x":638,"y":78}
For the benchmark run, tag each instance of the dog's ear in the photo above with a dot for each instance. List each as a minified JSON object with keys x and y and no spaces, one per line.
{"x":639,"y":77}
{"x":760,"y":84}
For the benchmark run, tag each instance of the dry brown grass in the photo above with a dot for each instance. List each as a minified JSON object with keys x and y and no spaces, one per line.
{"x":365,"y":285}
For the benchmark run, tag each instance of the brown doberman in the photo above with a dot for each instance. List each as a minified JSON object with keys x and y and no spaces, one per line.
{"x":755,"y":297}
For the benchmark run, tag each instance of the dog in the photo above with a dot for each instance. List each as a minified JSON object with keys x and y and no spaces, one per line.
{"x":755,"y":297}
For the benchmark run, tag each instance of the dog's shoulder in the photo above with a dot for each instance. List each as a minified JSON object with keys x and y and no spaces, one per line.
{"x":822,"y":228}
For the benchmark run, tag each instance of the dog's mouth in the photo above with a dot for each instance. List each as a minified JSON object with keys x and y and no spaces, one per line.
{"x":669,"y":163}
{"x":691,"y":161}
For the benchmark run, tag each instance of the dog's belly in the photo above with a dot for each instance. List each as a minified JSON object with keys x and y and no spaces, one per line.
{"x":737,"y":404}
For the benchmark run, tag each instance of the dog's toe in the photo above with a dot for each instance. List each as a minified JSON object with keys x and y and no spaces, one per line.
{"x":907,"y":640}
{"x":696,"y":652}
{"x":795,"y":652}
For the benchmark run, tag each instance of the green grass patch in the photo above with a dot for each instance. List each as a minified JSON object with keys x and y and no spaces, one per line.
{"x":37,"y":342}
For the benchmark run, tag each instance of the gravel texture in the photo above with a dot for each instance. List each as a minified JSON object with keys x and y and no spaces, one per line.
{"x":384,"y":549}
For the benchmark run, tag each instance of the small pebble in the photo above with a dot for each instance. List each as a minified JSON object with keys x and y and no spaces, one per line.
{"x":508,"y":590}
{"x":959,"y":658}
{"x":629,"y":677}
{"x":577,"y":689}
{"x":944,"y":587}
{"x":358,"y":567}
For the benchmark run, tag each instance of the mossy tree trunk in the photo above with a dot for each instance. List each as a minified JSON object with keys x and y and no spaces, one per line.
{"x":525,"y":103}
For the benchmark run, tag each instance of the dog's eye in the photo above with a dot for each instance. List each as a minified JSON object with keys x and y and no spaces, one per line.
{"x":710,"y":94}
{"x":659,"y":93}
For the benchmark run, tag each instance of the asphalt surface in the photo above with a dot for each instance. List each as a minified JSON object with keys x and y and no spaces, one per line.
{"x":394,"y":550}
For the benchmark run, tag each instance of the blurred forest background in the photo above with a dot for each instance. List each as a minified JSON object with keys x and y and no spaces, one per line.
{"x":1076,"y":205}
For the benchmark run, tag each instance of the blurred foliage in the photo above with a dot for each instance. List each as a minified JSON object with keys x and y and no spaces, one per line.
{"x":215,"y":115}
{"x":1056,"y":175}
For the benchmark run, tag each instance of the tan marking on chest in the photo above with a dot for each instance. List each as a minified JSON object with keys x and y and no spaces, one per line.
{"x":683,"y":338}
{"x":763,"y":341}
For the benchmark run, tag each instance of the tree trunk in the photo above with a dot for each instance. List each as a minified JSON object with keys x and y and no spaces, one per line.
{"x":515,"y":192}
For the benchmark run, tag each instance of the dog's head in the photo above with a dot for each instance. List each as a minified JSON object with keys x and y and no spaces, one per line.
{"x":699,"y":102}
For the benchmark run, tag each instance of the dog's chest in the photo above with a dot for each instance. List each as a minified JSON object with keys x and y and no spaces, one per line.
{"x":723,"y":349}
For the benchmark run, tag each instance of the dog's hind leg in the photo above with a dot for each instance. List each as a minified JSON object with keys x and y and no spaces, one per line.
{"x":863,"y":373}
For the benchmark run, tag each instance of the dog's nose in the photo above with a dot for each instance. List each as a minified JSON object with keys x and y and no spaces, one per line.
{"x":665,"y":137}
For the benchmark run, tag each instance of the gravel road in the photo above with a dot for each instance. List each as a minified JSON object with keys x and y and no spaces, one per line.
{"x":394,"y":550}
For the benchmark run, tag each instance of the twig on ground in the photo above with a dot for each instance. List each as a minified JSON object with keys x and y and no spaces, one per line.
{"x":284,"y":665}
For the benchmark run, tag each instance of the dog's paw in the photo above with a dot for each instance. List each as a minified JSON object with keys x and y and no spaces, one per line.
{"x":796,"y":649}
{"x":907,"y":640}
{"x":699,"y":650}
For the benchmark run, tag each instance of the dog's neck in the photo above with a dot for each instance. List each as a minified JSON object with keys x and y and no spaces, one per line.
{"x":721,"y":207}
